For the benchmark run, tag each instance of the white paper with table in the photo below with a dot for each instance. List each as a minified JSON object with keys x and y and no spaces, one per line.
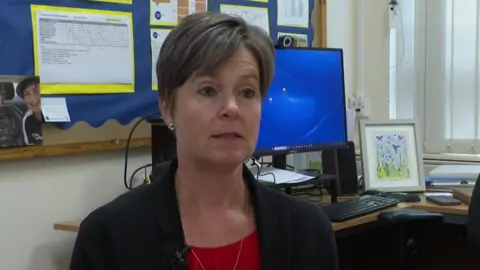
{"x":254,"y":15}
{"x":84,"y":48}
{"x":294,"y":13}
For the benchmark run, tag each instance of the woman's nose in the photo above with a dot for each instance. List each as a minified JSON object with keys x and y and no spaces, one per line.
{"x":230,"y":108}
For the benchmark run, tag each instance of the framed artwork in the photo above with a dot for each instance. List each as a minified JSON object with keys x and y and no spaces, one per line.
{"x":392,"y":158}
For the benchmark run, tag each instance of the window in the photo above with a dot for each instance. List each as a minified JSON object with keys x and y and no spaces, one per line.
{"x":439,"y":76}
{"x":451,"y":84}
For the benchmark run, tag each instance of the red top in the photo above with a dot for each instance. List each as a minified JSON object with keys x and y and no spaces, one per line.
{"x":224,"y":257}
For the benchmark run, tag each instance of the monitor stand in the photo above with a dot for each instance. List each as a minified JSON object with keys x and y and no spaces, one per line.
{"x":280,"y":162}
{"x":164,"y":143}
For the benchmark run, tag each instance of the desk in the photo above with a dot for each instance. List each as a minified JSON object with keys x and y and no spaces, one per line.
{"x":68,"y":226}
{"x":358,"y":238}
{"x":453,"y":214}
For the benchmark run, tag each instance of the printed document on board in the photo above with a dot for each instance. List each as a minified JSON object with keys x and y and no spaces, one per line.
{"x":294,"y":13}
{"x":83,"y":48}
{"x":55,"y":109}
{"x":157,"y":37}
{"x":129,"y":2}
{"x":254,"y":15}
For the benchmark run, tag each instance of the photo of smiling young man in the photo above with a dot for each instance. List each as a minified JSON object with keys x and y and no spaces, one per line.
{"x":29,"y":90}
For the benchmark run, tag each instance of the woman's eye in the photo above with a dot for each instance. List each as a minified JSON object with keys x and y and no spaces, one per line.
{"x":207,"y":91}
{"x":248,"y":93}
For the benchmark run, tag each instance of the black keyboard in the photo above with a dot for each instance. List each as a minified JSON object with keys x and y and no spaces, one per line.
{"x":343,"y":211}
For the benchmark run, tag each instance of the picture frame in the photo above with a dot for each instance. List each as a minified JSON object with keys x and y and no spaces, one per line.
{"x":392,"y":155}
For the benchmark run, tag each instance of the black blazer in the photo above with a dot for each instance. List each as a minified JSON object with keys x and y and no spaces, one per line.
{"x":141,"y":230}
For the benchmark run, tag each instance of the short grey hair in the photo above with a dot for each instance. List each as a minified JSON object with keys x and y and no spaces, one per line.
{"x":204,"y":41}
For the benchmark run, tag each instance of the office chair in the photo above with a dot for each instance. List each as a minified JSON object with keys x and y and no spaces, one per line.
{"x":408,"y":223}
{"x":473,"y":218}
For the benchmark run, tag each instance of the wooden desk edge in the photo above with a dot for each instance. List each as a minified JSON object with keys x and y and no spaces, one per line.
{"x":462,"y":210}
{"x":69,"y":226}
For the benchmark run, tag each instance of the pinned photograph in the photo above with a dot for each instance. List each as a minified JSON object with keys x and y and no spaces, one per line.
{"x":21,"y":115}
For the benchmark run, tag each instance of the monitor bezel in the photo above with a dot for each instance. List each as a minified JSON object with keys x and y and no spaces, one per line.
{"x":317,"y":147}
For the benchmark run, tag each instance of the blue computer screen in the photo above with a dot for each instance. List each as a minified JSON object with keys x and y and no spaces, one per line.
{"x":304,"y":109}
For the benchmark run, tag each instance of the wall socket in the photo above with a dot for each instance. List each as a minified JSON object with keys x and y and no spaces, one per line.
{"x":361,"y":105}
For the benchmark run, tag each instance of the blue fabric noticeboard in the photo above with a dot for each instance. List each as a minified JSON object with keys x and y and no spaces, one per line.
{"x":16,"y":56}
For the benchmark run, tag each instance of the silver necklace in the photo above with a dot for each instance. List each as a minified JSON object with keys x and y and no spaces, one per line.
{"x":241,"y":241}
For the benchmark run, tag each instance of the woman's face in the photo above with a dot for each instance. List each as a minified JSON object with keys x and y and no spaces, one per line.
{"x":217,"y":116}
{"x":31,"y":96}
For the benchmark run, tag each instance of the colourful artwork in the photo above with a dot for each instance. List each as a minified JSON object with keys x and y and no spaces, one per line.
{"x":392,"y":157}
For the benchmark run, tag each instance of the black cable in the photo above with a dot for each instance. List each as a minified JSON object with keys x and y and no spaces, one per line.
{"x":305,"y":193}
{"x":127,"y":146}
{"x":260,"y":168}
{"x":270,"y":164}
{"x":272,"y":174}
{"x":259,"y":165}
{"x":132,"y":177}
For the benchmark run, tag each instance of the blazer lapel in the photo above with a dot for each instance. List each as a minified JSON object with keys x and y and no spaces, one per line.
{"x":165,"y":206}
{"x":273,"y":225}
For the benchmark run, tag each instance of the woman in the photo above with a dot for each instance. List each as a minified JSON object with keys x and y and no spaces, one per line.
{"x":207,"y":211}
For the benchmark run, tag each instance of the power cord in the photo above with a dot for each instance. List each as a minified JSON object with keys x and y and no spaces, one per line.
{"x":147,"y":177}
{"x":270,"y":164}
{"x":128,"y":184}
{"x":314,"y":194}
{"x":396,"y":10}
{"x":258,"y":162}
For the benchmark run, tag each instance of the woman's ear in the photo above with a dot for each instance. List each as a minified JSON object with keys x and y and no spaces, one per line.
{"x":165,"y":111}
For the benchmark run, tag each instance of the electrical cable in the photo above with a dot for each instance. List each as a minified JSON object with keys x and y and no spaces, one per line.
{"x":402,"y":55}
{"x":265,"y":174}
{"x":305,"y":193}
{"x":132,"y":177}
{"x":127,"y":146}
{"x":259,"y":166}
{"x":396,"y":9}
{"x":270,"y":164}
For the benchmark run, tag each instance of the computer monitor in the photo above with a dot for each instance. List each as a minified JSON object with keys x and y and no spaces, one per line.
{"x":304,"y":109}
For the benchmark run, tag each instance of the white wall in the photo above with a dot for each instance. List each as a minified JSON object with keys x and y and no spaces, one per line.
{"x":341,"y":20}
{"x":36,"y":193}
{"x":361,"y":28}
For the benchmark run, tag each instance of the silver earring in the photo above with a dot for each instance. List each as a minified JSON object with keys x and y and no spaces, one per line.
{"x":171,"y":127}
